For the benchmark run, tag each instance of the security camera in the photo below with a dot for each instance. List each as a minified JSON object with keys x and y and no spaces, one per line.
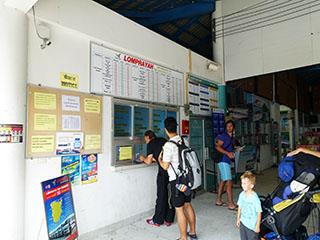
{"x":212,"y":66}
{"x":46,"y":42}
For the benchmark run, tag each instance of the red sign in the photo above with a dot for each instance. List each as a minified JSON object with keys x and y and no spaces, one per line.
{"x":185,"y":126}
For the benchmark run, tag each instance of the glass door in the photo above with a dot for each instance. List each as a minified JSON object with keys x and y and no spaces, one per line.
{"x":201,"y":140}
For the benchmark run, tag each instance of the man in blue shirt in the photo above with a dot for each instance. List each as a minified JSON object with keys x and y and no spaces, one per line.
{"x":224,"y":145}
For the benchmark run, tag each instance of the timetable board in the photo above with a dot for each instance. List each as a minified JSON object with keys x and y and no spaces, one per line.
{"x":203,"y":96}
{"x":123,"y":75}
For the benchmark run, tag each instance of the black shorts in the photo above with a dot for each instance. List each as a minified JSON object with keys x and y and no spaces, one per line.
{"x":178,"y":198}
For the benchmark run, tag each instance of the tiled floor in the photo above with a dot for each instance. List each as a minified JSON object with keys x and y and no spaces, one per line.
{"x":212,"y":222}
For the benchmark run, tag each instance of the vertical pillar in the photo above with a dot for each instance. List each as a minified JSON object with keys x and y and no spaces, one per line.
{"x":13,"y":78}
{"x":222,"y":97}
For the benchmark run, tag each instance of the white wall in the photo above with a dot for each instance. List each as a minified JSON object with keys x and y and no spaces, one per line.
{"x":13,"y":72}
{"x":282,"y":46}
{"x":117,"y":195}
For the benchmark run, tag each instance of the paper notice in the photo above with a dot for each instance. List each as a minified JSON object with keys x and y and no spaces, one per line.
{"x":71,"y":122}
{"x":125,"y":153}
{"x":45,"y":122}
{"x":70,"y":103}
{"x":46,"y":101}
{"x":92,"y":142}
{"x":69,"y":80}
{"x":91,"y":105}
{"x":69,"y":143}
{"x":42,"y":144}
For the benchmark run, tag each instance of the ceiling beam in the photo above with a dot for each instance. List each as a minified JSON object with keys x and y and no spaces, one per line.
{"x":187,"y":11}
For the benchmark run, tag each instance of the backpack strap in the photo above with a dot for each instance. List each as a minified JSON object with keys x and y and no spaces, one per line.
{"x":179,"y":152}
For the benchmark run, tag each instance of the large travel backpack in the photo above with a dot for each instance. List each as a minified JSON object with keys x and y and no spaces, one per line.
{"x":189,"y":166}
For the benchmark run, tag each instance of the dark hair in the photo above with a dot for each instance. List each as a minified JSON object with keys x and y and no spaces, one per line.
{"x":150,"y":134}
{"x":227,"y":122}
{"x":170,"y":124}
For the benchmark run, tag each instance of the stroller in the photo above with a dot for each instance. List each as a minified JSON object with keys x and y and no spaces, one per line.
{"x":291,"y":203}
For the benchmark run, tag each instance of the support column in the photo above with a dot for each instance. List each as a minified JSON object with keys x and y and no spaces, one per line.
{"x":13,"y":78}
{"x":222,"y":97}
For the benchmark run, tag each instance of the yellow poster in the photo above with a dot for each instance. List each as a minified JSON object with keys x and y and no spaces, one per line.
{"x":92,"y":142}
{"x":45,"y":122}
{"x":42,"y":144}
{"x":46,"y":101}
{"x":125,"y":153}
{"x":69,"y":80}
{"x":91,"y":105}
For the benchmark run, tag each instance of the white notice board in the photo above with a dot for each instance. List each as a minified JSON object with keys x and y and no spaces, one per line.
{"x":202,"y":95}
{"x":126,"y":76}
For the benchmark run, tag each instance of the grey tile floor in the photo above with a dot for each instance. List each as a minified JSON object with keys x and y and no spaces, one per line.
{"x":212,"y":222}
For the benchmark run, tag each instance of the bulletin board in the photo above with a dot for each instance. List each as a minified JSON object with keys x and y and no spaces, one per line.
{"x":62,"y":122}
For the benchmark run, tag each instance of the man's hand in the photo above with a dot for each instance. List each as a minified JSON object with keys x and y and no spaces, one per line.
{"x":257,"y":229}
{"x":230,"y":155}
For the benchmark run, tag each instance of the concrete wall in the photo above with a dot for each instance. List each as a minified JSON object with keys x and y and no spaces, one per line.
{"x":118,"y":194}
{"x":13,"y":71}
{"x":289,"y":44}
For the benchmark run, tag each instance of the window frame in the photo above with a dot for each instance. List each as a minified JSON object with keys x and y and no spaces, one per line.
{"x":134,"y":140}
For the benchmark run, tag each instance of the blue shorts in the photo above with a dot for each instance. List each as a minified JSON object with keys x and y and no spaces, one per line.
{"x":225,"y":171}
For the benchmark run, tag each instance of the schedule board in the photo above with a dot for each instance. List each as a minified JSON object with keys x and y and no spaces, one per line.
{"x":123,"y":75}
{"x":202,"y":95}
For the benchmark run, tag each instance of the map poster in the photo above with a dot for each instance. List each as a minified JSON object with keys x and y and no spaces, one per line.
{"x":89,"y":168}
{"x":71,"y":165}
{"x":59,"y":209}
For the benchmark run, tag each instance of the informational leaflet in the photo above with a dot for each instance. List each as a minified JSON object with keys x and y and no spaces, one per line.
{"x":45,"y":101}
{"x":71,"y":165}
{"x":92,"y":105}
{"x":42,"y":143}
{"x":69,"y":143}
{"x":92,"y":141}
{"x":70,"y":103}
{"x":89,"y":168}
{"x":71,"y":122}
{"x":125,"y":153}
{"x":126,"y":76}
{"x":45,"y":122}
{"x":59,"y":209}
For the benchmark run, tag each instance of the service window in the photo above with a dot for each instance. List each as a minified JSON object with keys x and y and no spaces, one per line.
{"x":130,"y":121}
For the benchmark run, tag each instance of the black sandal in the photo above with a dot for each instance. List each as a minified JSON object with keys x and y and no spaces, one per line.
{"x":192,"y":236}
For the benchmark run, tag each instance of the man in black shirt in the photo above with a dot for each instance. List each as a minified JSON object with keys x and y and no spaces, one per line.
{"x":164,"y":211}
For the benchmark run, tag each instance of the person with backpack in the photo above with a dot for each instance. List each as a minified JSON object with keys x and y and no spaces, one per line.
{"x":164,"y":212}
{"x":180,"y":193}
{"x":224,"y":145}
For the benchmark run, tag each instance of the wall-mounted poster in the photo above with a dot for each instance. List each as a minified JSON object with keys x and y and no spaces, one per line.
{"x":69,"y":143}
{"x":59,"y":209}
{"x":89,"y":168}
{"x":71,"y":165}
